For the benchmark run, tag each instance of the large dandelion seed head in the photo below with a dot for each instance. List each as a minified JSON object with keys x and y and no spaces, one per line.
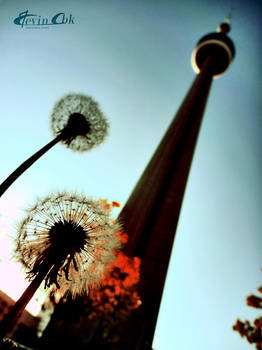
{"x":80,"y":121}
{"x":73,"y":235}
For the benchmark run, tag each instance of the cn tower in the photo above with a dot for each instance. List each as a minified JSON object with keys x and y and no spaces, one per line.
{"x":151,"y":213}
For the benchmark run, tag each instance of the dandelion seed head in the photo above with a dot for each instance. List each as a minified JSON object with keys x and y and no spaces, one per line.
{"x":80,"y":120}
{"x":77,"y":237}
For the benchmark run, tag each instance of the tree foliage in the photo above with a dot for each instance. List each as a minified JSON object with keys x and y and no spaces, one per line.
{"x":252,"y":331}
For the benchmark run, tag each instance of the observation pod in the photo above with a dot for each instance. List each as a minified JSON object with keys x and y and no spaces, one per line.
{"x":216,"y":45}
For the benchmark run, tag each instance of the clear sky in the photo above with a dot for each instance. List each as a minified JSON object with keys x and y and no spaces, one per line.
{"x":133,"y":57}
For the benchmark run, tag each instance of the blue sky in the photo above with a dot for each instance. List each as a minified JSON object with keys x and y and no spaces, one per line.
{"x":133,"y":57}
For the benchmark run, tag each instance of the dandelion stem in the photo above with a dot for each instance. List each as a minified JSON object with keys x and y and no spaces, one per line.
{"x":16,"y":311}
{"x":25,"y":165}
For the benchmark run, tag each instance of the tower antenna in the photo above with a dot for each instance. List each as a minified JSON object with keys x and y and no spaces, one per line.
{"x":225,"y":26}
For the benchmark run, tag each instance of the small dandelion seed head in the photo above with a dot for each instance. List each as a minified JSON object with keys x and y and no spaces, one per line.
{"x":80,"y":120}
{"x":71,"y":233}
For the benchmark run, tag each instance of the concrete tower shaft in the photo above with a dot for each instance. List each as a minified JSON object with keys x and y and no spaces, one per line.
{"x":151,"y":213}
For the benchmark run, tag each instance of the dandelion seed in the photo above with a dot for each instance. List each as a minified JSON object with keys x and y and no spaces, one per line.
{"x":70,"y":235}
{"x":66,"y":240}
{"x":79,"y":120}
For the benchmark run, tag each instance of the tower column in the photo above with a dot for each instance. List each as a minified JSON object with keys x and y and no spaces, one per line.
{"x":151,"y":213}
{"x":169,"y":164}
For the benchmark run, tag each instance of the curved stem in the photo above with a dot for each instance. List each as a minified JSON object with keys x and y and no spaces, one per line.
{"x":16,"y":311}
{"x":25,"y":165}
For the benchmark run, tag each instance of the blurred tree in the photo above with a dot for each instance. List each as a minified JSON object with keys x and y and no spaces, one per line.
{"x":252,"y":331}
{"x":96,"y":320}
{"x":117,"y":295}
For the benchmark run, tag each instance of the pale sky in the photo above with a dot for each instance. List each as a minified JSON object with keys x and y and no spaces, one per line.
{"x":133,"y":57}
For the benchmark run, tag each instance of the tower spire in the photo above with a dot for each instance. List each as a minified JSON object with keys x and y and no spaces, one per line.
{"x":225,"y":26}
